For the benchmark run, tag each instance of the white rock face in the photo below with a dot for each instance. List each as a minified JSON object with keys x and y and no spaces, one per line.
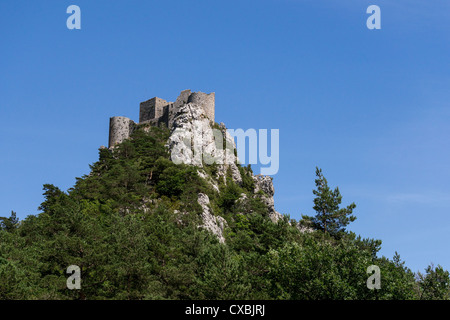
{"x":208,"y":179}
{"x":210,"y":222}
{"x":265,"y":184}
{"x":304,"y":229}
{"x":194,"y":141}
{"x":189,"y":129}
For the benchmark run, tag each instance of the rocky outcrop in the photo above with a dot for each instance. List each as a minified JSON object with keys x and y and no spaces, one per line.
{"x":214,"y":224}
{"x":265,"y":190}
{"x":304,"y":229}
{"x":202,"y":174}
{"x":194,"y":141}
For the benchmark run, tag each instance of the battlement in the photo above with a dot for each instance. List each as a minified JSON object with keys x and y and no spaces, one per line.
{"x":158,"y":111}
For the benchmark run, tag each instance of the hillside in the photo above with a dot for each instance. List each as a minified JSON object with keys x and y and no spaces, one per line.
{"x":140,"y":226}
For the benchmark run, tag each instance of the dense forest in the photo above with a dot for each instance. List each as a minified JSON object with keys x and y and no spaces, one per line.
{"x":132,"y":226}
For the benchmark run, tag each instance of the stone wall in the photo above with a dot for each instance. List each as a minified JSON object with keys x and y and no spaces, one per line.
{"x":160,"y":108}
{"x":207,"y":101}
{"x":120,"y":129}
{"x":152,"y":109}
{"x":157,"y":111}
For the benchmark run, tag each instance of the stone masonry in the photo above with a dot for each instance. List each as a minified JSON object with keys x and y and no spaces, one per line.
{"x":194,"y":112}
{"x":157,"y":111}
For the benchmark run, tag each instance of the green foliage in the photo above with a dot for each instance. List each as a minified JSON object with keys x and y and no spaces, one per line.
{"x":248,"y":183}
{"x":132,"y":226}
{"x":9,"y":224}
{"x":397,"y":281}
{"x":229,"y":196}
{"x":329,"y":217}
{"x":434,"y":284}
{"x":222,"y":274}
{"x":312,"y":270}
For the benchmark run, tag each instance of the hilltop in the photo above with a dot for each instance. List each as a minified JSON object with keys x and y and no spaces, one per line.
{"x":143,"y":226}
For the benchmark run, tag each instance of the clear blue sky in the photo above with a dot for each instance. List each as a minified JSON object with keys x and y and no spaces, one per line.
{"x":370,"y":107}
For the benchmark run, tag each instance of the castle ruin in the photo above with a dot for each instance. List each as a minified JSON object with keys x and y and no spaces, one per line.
{"x":156,"y":112}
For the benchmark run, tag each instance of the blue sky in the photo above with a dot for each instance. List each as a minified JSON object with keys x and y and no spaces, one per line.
{"x":370,"y":107}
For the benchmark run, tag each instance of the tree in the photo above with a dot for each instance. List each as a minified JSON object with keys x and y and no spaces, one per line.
{"x":132,"y":226}
{"x":9,"y":224}
{"x":329,"y":218}
{"x":435,"y":284}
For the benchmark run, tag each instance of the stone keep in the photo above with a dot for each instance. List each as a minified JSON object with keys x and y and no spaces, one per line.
{"x":157,"y":111}
{"x":120,"y":129}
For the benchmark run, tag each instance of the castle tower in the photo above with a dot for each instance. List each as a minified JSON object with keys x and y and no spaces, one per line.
{"x":207,"y":101}
{"x":120,"y":129}
{"x":152,"y":109}
{"x":158,"y":111}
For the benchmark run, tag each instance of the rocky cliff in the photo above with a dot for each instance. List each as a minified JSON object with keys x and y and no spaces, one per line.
{"x":191,"y":121}
{"x":195,"y":139}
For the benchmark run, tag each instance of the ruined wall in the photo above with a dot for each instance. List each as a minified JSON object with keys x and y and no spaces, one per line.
{"x":173,"y":108}
{"x":151,"y":109}
{"x":157,"y":111}
{"x":207,"y":101}
{"x":160,"y":108}
{"x":120,"y":128}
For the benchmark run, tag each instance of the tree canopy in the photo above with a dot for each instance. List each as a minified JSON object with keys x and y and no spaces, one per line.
{"x":132,"y":226}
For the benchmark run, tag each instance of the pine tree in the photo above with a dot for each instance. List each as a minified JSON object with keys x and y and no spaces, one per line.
{"x":9,"y":224}
{"x":434,"y":284}
{"x":329,"y":217}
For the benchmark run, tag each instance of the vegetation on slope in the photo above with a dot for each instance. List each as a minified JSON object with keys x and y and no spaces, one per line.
{"x":132,"y":226}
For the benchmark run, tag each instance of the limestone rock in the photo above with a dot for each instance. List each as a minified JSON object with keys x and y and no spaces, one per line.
{"x":208,"y":179}
{"x":265,"y":184}
{"x":304,"y":229}
{"x":193,"y":138}
{"x":215,"y":224}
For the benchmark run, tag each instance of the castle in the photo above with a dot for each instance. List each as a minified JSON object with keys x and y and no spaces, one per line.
{"x":157,"y":111}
